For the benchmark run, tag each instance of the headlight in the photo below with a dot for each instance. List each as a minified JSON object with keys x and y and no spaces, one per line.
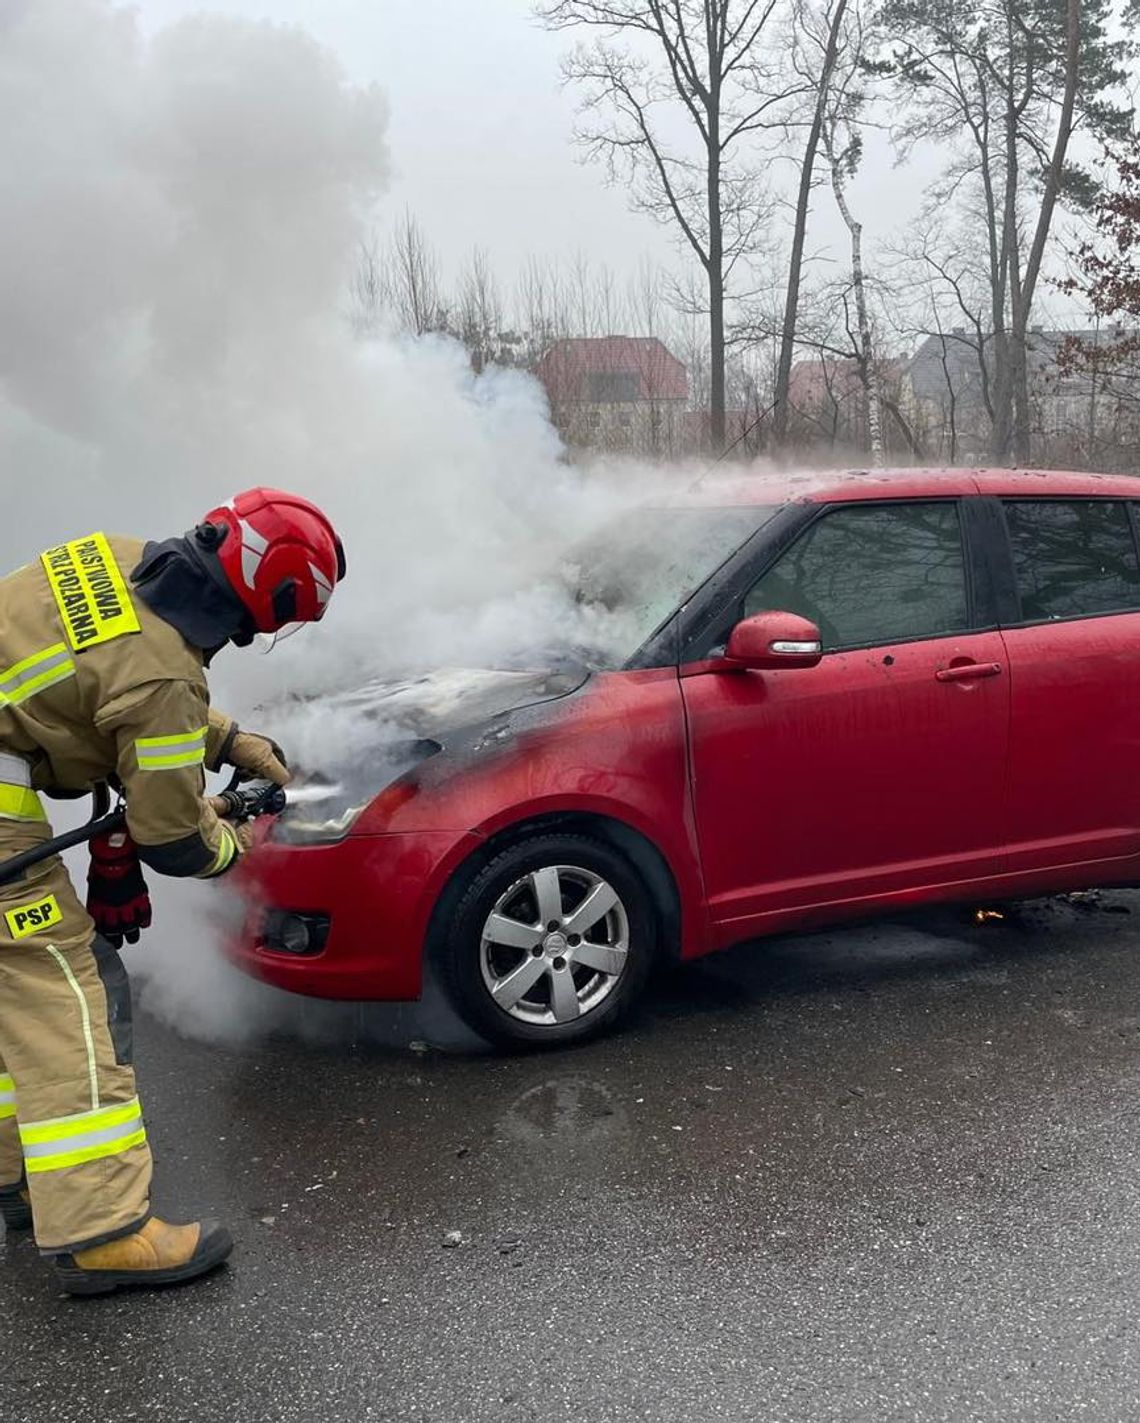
{"x":317,"y":820}
{"x":321,"y":812}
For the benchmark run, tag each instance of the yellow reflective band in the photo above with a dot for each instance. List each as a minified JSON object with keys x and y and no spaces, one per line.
{"x":178,"y":739}
{"x":19,"y":803}
{"x":226,"y":851}
{"x":61,"y":1159}
{"x":86,"y":1136}
{"x":79,"y":1123}
{"x":171,"y":753}
{"x":34,"y":674}
{"x":172,"y":763}
{"x":33,"y":918}
{"x":90,"y":592}
{"x":7,"y":1097}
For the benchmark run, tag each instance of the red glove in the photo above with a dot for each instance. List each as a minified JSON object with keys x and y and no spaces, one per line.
{"x":117,"y":896}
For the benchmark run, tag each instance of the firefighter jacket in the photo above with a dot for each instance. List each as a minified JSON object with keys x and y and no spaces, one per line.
{"x":93,"y":685}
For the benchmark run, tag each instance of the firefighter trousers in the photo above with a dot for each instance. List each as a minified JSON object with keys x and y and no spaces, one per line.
{"x":70,"y":1120}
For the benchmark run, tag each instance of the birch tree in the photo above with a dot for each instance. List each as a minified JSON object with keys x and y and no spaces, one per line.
{"x":843,"y":146}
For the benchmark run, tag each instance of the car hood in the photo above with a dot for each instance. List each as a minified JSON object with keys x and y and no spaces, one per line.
{"x":438,"y":704}
{"x":352,"y":744}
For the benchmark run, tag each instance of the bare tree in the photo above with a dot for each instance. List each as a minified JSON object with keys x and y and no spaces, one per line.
{"x":844,"y":101}
{"x":816,"y":47}
{"x":413,"y":279}
{"x":480,"y":312}
{"x":705,"y":81}
{"x":543,"y":308}
{"x":1003,"y":84}
{"x":367,"y":289}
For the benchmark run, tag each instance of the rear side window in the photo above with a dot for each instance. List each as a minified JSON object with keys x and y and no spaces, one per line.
{"x":1073,"y":558}
{"x":873,"y":573}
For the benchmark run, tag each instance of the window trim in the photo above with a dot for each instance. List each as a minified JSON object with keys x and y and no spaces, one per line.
{"x":698,"y":646}
{"x":698,"y":622}
{"x":667,"y":646}
{"x":1015,"y":605}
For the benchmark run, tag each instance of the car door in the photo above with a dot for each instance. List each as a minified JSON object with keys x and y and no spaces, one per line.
{"x":881,"y":770}
{"x":1073,"y":641}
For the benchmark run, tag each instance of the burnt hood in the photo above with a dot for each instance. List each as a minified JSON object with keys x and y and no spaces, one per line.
{"x":372,"y":734}
{"x":439,"y":704}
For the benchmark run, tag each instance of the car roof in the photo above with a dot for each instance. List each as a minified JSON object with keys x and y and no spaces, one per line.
{"x":835,"y":486}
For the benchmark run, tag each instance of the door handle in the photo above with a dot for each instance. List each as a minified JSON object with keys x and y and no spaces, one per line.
{"x":968,"y":672}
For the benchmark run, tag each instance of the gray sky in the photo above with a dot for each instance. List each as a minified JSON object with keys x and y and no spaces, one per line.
{"x":480,"y":125}
{"x":481,"y":128}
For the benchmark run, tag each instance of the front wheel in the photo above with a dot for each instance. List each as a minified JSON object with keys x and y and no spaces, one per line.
{"x":550,"y":943}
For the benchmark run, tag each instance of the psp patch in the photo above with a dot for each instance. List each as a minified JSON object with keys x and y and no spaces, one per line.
{"x":90,"y":592}
{"x":34,"y":918}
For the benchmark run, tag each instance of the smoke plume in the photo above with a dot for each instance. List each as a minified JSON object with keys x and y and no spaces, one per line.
{"x":180,"y":219}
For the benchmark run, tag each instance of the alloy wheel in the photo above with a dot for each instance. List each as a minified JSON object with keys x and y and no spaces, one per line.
{"x":555,"y":945}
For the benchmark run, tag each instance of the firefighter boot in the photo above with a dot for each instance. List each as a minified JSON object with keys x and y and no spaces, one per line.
{"x":155,"y":1254}
{"x":15,"y":1207}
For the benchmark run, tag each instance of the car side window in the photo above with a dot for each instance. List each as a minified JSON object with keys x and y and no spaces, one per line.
{"x":873,"y":573}
{"x":1073,"y":557}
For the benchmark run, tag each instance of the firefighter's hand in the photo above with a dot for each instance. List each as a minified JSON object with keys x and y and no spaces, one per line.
{"x":260,"y":757}
{"x":117,"y":896}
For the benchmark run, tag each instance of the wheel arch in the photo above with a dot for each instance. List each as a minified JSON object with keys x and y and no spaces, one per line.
{"x":637,"y":848}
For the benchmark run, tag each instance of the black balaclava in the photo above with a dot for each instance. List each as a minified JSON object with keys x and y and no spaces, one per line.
{"x":181,"y":580}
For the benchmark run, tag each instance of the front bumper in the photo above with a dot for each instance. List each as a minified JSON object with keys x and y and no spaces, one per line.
{"x":378,"y":892}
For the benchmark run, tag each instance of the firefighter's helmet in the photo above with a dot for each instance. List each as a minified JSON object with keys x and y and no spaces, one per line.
{"x":279,"y":554}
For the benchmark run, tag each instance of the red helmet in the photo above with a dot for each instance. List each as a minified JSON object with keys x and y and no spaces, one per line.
{"x":278,"y":553}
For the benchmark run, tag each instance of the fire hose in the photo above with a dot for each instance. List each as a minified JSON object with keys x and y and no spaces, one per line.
{"x":243,"y":802}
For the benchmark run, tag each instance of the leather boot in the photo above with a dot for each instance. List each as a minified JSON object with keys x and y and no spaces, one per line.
{"x":16,"y":1207}
{"x":155,"y":1254}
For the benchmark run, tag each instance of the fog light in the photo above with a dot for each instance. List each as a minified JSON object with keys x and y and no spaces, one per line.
{"x":284,"y":932}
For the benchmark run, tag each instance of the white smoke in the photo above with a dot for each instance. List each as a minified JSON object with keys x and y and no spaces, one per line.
{"x":177,"y":223}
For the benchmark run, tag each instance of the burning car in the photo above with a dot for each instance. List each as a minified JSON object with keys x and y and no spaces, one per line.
{"x":874,"y":693}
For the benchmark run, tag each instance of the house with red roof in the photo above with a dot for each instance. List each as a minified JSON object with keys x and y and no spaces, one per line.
{"x":624,"y":393}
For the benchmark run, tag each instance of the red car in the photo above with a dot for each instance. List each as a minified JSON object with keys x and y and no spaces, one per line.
{"x":896,"y":689}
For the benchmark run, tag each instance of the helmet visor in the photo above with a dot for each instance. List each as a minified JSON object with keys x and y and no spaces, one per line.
{"x":265,"y":642}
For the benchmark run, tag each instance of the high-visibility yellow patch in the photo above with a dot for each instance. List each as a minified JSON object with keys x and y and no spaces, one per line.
{"x":90,"y":592}
{"x":34,"y":918}
{"x":20,"y":803}
{"x":85,"y":1136}
{"x":227,"y":849}
{"x":34,"y":674}
{"x":171,"y":753}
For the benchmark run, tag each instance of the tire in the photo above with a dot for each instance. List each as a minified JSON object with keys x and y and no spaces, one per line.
{"x":506,"y":927}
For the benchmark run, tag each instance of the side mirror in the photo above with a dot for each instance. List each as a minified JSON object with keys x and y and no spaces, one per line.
{"x":768,"y":640}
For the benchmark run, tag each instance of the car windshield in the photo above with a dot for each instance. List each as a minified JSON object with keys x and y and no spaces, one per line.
{"x":636,"y":572}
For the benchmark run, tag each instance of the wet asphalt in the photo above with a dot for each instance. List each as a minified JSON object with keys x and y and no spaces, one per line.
{"x":886,"y":1173}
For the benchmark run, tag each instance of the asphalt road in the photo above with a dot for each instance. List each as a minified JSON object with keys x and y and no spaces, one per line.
{"x":891,"y":1173}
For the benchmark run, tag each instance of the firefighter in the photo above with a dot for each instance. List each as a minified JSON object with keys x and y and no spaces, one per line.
{"x":104,"y":642}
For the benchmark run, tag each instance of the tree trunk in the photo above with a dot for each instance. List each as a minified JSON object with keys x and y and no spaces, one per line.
{"x":780,"y":405}
{"x":1006,"y":286}
{"x":867,"y":355}
{"x":716,"y":363}
{"x":715,"y":271}
{"x":1002,"y":438}
{"x":1028,"y":284}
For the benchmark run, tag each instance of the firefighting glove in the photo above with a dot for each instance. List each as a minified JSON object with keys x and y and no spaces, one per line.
{"x":117,"y":896}
{"x":261,"y":758}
